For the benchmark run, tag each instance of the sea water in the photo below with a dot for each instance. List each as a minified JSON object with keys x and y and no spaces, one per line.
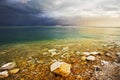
{"x":41,"y":33}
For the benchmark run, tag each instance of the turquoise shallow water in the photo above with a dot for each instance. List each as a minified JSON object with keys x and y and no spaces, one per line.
{"x":28,"y":34}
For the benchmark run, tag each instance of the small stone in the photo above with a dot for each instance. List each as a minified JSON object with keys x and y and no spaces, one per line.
{"x":79,"y":77}
{"x":83,"y":58}
{"x":53,"y":53}
{"x":104,"y":62}
{"x":95,"y":53}
{"x":14,"y":71}
{"x":91,"y":58}
{"x":4,"y":74}
{"x":105,"y":45}
{"x":86,"y":53}
{"x":52,"y":50}
{"x":78,"y":53}
{"x":108,"y":54}
{"x":65,"y":49}
{"x":9,"y":65}
{"x":118,"y":53}
{"x":61,"y":68}
{"x":45,"y":53}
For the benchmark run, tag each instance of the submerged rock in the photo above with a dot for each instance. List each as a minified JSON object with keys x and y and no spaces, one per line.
{"x":118,"y":53}
{"x":61,"y":68}
{"x":53,"y":53}
{"x":86,"y":53}
{"x":91,"y":58}
{"x":14,"y":71}
{"x":95,"y":53}
{"x":4,"y":74}
{"x":104,"y":62}
{"x":65,"y":49}
{"x":108,"y":54}
{"x":83,"y":58}
{"x":52,"y":50}
{"x":9,"y":65}
{"x":78,"y":53}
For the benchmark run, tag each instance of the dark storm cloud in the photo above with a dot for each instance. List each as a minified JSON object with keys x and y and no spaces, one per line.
{"x":53,"y":12}
{"x":22,"y":14}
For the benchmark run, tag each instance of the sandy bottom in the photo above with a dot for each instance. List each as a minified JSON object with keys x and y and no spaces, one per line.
{"x":34,"y":60}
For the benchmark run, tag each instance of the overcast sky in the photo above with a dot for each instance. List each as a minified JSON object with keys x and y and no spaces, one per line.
{"x":58,"y":12}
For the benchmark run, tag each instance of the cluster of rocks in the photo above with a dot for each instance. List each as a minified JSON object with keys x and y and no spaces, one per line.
{"x":63,"y":68}
{"x":7,"y":69}
{"x":90,"y":56}
{"x":85,"y":55}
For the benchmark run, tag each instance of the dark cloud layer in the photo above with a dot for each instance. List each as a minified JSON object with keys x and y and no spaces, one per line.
{"x":22,"y":14}
{"x":56,"y":12}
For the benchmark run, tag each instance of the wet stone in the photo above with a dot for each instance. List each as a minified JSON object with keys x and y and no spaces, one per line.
{"x":14,"y":71}
{"x":9,"y":65}
{"x":4,"y":74}
{"x":61,"y":68}
{"x":91,"y":58}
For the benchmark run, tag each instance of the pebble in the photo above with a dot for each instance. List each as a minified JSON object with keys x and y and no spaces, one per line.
{"x":118,"y":53}
{"x":65,"y":49}
{"x":61,"y":68}
{"x":52,"y":50}
{"x":91,"y":58}
{"x":104,"y":62}
{"x":53,"y":53}
{"x":9,"y":65}
{"x":79,"y":77}
{"x":108,"y":54}
{"x":4,"y":74}
{"x":83,"y":58}
{"x":45,"y":53}
{"x":78,"y":53}
{"x":86,"y":53}
{"x":14,"y":71}
{"x":94,"y":53}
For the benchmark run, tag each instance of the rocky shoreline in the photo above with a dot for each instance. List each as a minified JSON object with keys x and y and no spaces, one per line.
{"x":71,"y":61}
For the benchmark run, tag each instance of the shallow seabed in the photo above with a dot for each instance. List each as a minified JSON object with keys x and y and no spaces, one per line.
{"x":34,"y":60}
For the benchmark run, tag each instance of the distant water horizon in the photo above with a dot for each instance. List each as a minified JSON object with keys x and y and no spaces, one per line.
{"x":18,"y":34}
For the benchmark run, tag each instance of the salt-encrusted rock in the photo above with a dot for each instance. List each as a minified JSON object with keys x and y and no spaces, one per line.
{"x":61,"y":68}
{"x":9,"y":65}
{"x":91,"y":58}
{"x":52,"y":50}
{"x":65,"y":49}
{"x":14,"y":71}
{"x":86,"y":53}
{"x":94,"y":53}
{"x":4,"y":74}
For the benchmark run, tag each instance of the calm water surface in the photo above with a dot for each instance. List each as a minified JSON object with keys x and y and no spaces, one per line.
{"x":25,"y":34}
